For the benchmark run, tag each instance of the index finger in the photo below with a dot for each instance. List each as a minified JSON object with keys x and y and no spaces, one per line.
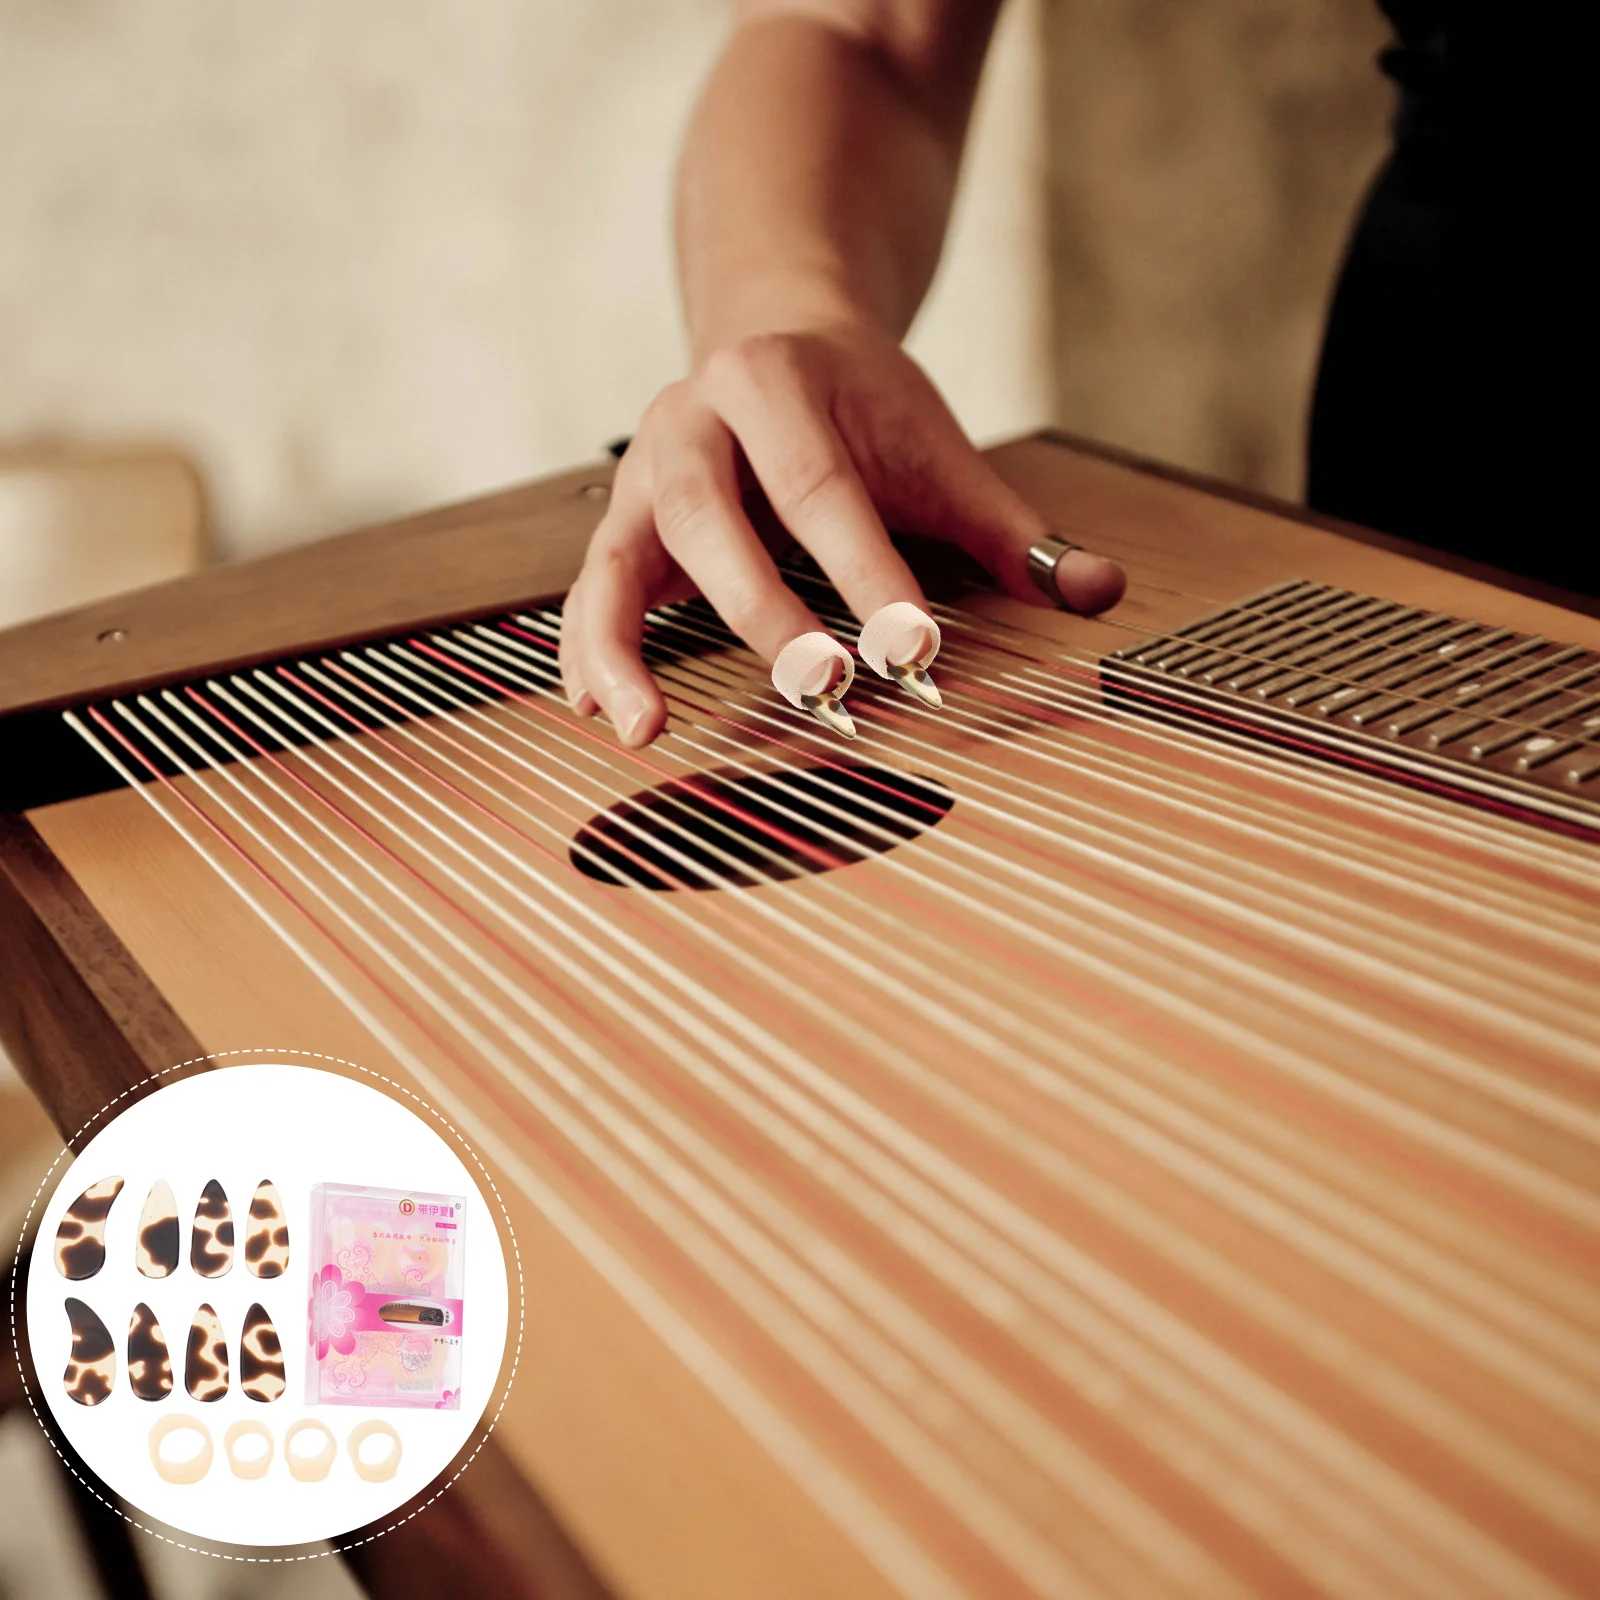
{"x":805,"y":469}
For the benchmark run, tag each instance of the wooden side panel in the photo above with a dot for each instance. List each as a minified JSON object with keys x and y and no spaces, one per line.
{"x":502,"y":550}
{"x":78,"y":1015}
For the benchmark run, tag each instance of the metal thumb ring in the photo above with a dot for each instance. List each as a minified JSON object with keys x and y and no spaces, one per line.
{"x":1043,"y":558}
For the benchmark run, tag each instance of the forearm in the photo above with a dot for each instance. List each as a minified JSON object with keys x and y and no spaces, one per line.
{"x":817,"y":177}
{"x":814,"y":191}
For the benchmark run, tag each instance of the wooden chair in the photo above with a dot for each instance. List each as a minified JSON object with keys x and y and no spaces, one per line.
{"x":79,"y":523}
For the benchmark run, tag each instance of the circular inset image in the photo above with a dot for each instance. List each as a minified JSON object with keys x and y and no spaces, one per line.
{"x":253,"y":1248}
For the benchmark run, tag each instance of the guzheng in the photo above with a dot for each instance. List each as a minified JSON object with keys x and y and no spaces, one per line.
{"x":1132,"y":1132}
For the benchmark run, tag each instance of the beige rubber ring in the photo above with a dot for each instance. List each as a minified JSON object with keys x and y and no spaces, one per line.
{"x":791,"y":672}
{"x":887,"y":622}
{"x":315,"y":1468}
{"x":247,"y":1469}
{"x":180,"y":1471}
{"x":390,"y":1464}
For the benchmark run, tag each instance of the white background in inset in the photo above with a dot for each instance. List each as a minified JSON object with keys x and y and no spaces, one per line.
{"x":296,"y":1126}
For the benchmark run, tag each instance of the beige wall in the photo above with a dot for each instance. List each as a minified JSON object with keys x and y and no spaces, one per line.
{"x":1205,"y":162}
{"x":364,"y":257}
{"x":367,"y":256}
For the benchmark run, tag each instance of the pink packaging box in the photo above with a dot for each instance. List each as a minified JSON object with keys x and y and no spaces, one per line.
{"x":384,"y":1321}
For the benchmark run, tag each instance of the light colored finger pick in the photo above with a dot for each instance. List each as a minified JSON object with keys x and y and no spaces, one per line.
{"x":386,"y":1467}
{"x":309,"y":1469}
{"x":191,"y":1471}
{"x":804,"y":675}
{"x":899,"y":642}
{"x":245,"y":1466}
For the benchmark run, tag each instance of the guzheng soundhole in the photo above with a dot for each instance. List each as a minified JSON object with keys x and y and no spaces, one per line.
{"x":1499,"y":719}
{"x":730,"y":830}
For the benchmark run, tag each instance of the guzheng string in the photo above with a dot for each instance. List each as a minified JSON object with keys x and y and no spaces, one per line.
{"x":1375,"y":866}
{"x":1177,"y":695}
{"x":1513,"y":978}
{"x":1303,"y":1000}
{"x":992,"y":628}
{"x":841,"y":1497}
{"x":1058,"y":696}
{"x":1576,"y":1019}
{"x":425,"y":884}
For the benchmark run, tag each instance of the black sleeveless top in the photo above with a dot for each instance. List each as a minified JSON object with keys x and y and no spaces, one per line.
{"x":1454,"y":376}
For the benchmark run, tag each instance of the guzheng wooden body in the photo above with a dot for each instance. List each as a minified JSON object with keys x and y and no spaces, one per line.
{"x":1131,"y":1133}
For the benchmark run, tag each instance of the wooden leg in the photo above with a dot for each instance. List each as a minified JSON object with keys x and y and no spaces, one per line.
{"x":500,"y":1539}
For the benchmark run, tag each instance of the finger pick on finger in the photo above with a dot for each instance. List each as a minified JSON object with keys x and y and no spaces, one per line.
{"x":813,"y":672}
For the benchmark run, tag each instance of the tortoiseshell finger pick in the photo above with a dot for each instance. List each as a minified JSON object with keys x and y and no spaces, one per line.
{"x":155,"y":1251}
{"x":266,"y":1240}
{"x":211,"y":1243}
{"x":149,"y":1364}
{"x":260,"y":1356}
{"x":81,"y":1237}
{"x":205,"y":1368}
{"x":91,"y":1372}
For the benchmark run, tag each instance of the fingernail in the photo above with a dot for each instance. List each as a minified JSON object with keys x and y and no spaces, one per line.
{"x":1089,"y":583}
{"x":814,"y":672}
{"x":628,"y":714}
{"x":899,"y":642}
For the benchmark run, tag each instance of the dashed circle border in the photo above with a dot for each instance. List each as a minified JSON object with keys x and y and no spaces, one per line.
{"x":333,"y":1548}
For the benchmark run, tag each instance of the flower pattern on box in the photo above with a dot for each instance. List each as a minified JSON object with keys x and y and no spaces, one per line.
{"x":351,"y":1373}
{"x":335,"y":1301}
{"x":353,"y":1260}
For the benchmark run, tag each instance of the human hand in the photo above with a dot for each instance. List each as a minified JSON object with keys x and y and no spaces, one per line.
{"x":844,"y":434}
